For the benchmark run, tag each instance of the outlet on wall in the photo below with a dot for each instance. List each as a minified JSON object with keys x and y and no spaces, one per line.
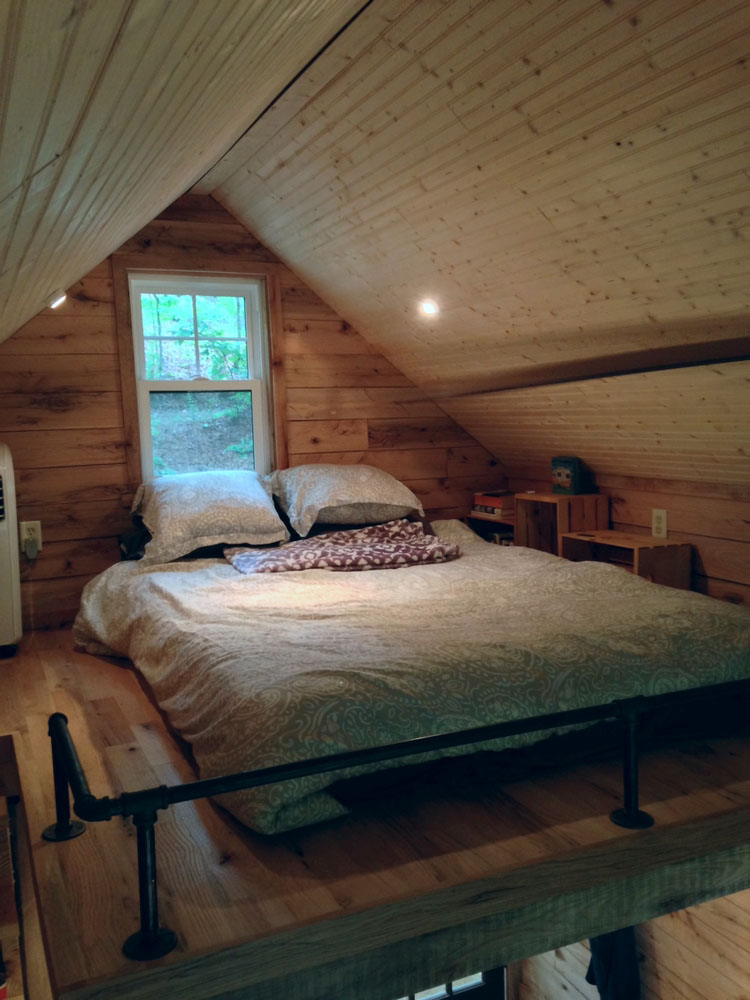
{"x":658,"y":523}
{"x":31,"y":538}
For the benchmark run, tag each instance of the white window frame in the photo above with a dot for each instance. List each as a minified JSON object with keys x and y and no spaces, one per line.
{"x":253,"y":291}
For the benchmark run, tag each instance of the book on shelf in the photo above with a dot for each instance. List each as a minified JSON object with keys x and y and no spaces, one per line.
{"x":493,"y":513}
{"x":503,"y":499}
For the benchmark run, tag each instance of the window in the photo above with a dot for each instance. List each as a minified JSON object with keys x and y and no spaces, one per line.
{"x":201,"y":362}
{"x":468,"y":984}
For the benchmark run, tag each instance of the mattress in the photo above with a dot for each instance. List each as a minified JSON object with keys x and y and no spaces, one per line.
{"x":260,"y":670}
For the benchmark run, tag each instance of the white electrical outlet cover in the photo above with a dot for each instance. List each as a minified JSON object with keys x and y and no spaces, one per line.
{"x":658,"y":523}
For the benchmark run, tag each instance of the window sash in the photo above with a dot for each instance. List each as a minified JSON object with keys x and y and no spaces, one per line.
{"x":145,"y":387}
{"x":252,"y":290}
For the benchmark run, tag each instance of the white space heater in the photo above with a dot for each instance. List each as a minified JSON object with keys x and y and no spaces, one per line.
{"x":10,"y":587}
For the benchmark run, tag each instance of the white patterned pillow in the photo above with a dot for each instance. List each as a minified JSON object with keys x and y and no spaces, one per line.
{"x":340,"y":494}
{"x":191,"y":510}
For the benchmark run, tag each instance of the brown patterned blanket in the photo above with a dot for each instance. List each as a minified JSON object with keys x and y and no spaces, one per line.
{"x":378,"y":546}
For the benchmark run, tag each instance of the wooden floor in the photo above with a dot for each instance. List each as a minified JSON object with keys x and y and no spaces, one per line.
{"x":389,"y":900}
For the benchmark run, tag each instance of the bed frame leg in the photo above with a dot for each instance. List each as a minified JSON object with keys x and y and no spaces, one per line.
{"x":64,"y":828}
{"x":150,"y":941}
{"x":630,"y":816}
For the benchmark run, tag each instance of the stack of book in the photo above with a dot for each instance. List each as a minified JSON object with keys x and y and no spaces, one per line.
{"x":498,"y":505}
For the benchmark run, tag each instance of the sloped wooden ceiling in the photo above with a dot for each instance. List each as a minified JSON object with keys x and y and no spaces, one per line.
{"x":110,"y":109}
{"x":568,"y":179}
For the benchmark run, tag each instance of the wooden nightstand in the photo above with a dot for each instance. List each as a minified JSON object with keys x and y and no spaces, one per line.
{"x":655,"y":559}
{"x":542,"y":518}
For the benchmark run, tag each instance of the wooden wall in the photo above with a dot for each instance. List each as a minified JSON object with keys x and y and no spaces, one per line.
{"x":677,"y":439}
{"x":61,"y":416}
{"x":69,"y":424}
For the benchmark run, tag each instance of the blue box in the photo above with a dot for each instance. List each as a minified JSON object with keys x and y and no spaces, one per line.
{"x":569,"y":475}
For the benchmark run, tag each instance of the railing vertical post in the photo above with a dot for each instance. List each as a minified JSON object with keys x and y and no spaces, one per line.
{"x":150,"y":941}
{"x":630,"y":816}
{"x":63,"y":828}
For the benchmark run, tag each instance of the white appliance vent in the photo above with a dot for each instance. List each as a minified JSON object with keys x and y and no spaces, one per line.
{"x":10,"y":587}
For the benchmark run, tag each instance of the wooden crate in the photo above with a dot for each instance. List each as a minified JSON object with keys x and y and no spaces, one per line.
{"x":655,"y":559}
{"x":542,"y":518}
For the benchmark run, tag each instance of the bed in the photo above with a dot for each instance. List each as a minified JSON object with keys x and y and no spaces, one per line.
{"x":261,"y":669}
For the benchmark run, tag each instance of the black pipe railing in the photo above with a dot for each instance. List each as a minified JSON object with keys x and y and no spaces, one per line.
{"x":151,"y":941}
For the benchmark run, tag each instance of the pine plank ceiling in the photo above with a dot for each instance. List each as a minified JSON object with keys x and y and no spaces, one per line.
{"x":568,"y":179}
{"x":110,"y":109}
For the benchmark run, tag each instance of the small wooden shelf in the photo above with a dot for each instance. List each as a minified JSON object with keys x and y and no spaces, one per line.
{"x":477,"y":515}
{"x":542,"y":518}
{"x":655,"y":559}
{"x":492,"y":529}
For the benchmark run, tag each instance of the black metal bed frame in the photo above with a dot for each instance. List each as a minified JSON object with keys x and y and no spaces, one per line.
{"x":152,"y":941}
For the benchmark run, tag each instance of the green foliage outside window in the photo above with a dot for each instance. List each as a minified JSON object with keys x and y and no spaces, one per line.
{"x":197,"y":336}
{"x":187,"y":336}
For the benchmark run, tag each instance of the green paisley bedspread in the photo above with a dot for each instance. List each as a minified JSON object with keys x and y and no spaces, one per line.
{"x":264,"y":669}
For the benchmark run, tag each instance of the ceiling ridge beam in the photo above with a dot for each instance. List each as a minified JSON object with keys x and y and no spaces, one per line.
{"x":613,"y":366}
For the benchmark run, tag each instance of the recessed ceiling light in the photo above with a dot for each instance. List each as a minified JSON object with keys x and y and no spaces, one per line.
{"x":428,"y":307}
{"x":57,"y":298}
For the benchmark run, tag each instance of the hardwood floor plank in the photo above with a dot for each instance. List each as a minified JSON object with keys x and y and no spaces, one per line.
{"x":423,"y":884}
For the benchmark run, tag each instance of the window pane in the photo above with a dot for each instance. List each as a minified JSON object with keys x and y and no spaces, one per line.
{"x":468,"y":982}
{"x":223,"y":359}
{"x":434,"y":993}
{"x":196,"y":431}
{"x":221,"y":316}
{"x":170,"y":359}
{"x":167,"y":315}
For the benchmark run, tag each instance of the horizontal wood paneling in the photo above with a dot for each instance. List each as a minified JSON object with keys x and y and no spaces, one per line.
{"x":61,"y":332}
{"x":61,"y":416}
{"x":327,"y":435}
{"x":50,"y":603}
{"x":83,"y":557}
{"x":59,"y":372}
{"x":81,"y":446}
{"x":49,"y":410}
{"x":87,"y":519}
{"x":317,"y":403}
{"x":429,"y":432}
{"x":677,"y":440}
{"x":83,"y":483}
{"x":418,"y":463}
{"x":718,"y":518}
{"x":344,"y":370}
{"x":685,"y":423}
{"x":322,"y":336}
{"x":71,"y":428}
